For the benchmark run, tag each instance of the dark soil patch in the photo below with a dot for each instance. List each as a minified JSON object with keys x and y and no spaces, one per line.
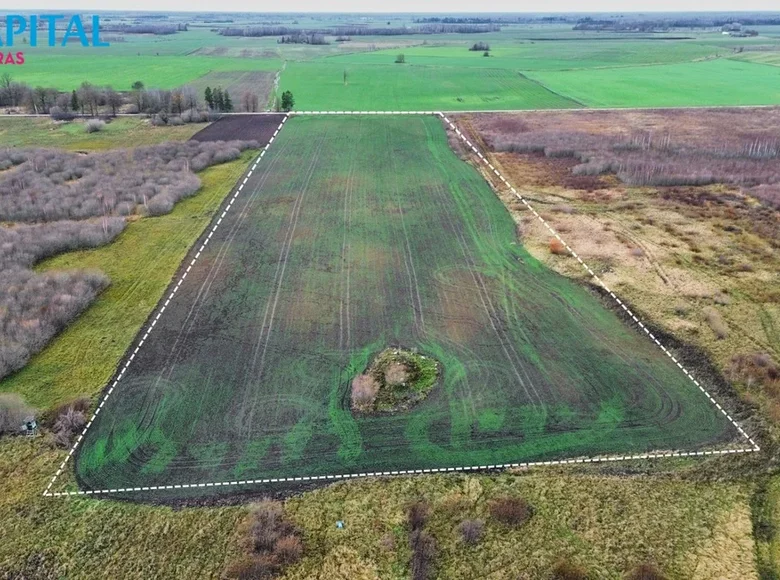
{"x":258,"y":128}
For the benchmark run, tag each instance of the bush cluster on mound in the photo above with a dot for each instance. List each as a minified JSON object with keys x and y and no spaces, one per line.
{"x":396,"y":380}
{"x":49,"y":185}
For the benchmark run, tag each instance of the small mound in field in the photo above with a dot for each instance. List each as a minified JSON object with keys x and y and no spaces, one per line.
{"x":395,"y":381}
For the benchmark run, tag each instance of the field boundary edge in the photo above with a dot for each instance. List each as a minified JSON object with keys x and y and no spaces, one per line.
{"x":581,"y":460}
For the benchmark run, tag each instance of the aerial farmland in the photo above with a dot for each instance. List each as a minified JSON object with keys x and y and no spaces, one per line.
{"x":392,"y":296}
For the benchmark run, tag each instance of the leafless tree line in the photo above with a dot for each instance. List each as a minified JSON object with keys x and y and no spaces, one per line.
{"x":185,"y":103}
{"x":49,"y":185}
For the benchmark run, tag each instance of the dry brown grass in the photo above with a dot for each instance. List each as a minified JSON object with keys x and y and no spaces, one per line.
{"x":716,"y":322}
{"x":396,"y":373}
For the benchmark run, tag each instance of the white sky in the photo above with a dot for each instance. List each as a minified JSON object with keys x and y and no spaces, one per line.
{"x":96,"y":6}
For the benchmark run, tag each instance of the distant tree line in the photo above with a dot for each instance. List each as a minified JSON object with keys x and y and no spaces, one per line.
{"x":158,"y":29}
{"x":663,"y":24}
{"x":312,"y":38}
{"x":260,"y":31}
{"x":490,"y":19}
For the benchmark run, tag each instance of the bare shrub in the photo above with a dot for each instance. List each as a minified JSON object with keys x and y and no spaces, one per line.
{"x":511,"y":511}
{"x":268,"y":525}
{"x":94,"y":125}
{"x":252,"y":568}
{"x":272,"y":543}
{"x":567,"y":570}
{"x":471,"y":531}
{"x":396,"y":373}
{"x":716,"y":322}
{"x":387,"y":542}
{"x":68,"y":424}
{"x":423,"y":554}
{"x":364,"y":391}
{"x":50,"y":185}
{"x":721,"y":298}
{"x":645,"y":572}
{"x":13,"y":412}
{"x":756,"y":370}
{"x":557,"y":248}
{"x":24,"y":245}
{"x":35,"y":307}
{"x":288,"y":549}
{"x":688,"y":148}
{"x":417,"y":514}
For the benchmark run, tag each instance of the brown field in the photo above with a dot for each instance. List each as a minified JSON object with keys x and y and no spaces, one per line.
{"x":701,"y":261}
{"x":258,"y":128}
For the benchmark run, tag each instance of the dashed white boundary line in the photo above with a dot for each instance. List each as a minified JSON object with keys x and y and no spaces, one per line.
{"x":599,"y":281}
{"x":308,"y":478}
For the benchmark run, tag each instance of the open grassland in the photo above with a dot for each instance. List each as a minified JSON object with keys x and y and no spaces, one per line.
{"x":319,"y":267}
{"x":140,"y":264}
{"x":321,"y":86}
{"x":120,"y":132}
{"x":66,"y":72}
{"x":605,"y":524}
{"x":542,"y":55}
{"x":708,"y":83}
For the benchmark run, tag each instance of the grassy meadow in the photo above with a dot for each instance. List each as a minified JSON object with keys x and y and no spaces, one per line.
{"x":718,"y":82}
{"x":120,"y":132}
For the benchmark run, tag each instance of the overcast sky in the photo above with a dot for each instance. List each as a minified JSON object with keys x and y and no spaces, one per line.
{"x":396,"y":5}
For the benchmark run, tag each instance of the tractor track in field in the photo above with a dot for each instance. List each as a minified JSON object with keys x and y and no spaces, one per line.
{"x":255,"y":372}
{"x":495,"y":322}
{"x":414,"y":287}
{"x":190,"y":320}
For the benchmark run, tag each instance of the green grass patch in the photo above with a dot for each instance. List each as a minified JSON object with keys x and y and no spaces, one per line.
{"x":319,"y":85}
{"x":708,"y":83}
{"x":66,"y":71}
{"x":572,"y":54}
{"x":120,"y":132}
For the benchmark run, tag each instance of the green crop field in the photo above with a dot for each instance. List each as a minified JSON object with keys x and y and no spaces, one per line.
{"x":575,"y":54}
{"x":320,"y":86}
{"x":353,"y":234}
{"x":66,"y":72}
{"x":706,"y":83}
